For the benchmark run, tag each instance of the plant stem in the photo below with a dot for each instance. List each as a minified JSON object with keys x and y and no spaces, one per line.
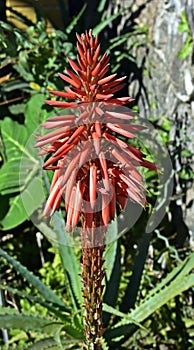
{"x":92,"y":276}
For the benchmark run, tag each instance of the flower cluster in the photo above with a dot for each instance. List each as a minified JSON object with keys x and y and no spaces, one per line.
{"x":95,"y":168}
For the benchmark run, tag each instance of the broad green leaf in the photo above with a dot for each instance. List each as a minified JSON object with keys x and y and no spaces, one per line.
{"x":9,"y":177}
{"x":23,"y":205}
{"x":33,"y":195}
{"x":11,"y":318}
{"x":44,"y":290}
{"x":34,"y":114}
{"x":15,"y":215}
{"x":14,"y":136}
{"x":21,"y":171}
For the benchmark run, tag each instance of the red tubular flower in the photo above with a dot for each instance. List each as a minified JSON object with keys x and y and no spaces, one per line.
{"x":95,"y":169}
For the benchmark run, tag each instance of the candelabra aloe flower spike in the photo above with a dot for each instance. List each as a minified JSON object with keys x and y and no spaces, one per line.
{"x":95,"y":170}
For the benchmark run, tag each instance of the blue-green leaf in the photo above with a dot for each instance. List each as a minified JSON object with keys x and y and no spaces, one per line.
{"x":126,"y":318}
{"x":56,"y":233}
{"x":11,"y":318}
{"x":68,"y":257}
{"x":44,"y":290}
{"x":36,"y":300}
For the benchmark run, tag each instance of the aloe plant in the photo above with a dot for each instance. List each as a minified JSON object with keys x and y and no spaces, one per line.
{"x":63,"y":316}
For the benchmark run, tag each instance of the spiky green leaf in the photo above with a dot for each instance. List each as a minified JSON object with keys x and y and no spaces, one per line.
{"x":12,"y":318}
{"x":44,"y":290}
